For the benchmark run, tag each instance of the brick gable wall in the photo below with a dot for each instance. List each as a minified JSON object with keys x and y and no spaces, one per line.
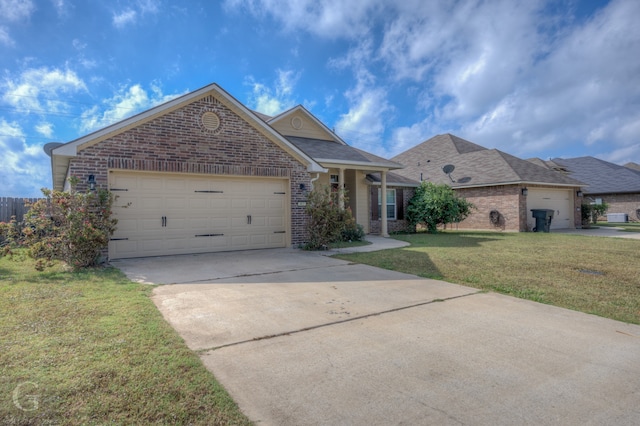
{"x":177,"y":142}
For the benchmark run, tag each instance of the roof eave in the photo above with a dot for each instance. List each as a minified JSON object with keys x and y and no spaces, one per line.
{"x":360,"y":165}
{"x":519,"y":182}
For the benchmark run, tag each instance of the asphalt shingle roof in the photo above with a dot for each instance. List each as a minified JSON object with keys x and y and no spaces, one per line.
{"x":601,"y":176}
{"x":324,"y":150}
{"x":474,"y":165}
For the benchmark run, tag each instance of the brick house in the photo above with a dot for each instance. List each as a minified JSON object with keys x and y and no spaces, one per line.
{"x":503,"y":188}
{"x":204,"y":173}
{"x":618,"y":186}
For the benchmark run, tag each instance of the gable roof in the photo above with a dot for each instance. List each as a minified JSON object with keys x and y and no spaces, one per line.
{"x":474,"y":165}
{"x":299,"y":109}
{"x":332,"y":153}
{"x":601,"y":176}
{"x":324,"y":145}
{"x":633,"y":166}
{"x":61,"y":155}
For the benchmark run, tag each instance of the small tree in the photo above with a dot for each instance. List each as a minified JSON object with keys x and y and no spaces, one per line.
{"x":328,"y":222}
{"x":69,"y":226}
{"x":434,"y":205}
{"x":591,"y":213}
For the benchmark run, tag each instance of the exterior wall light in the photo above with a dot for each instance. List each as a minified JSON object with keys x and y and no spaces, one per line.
{"x":92,"y":182}
{"x":579,"y":193}
{"x":525,"y":192}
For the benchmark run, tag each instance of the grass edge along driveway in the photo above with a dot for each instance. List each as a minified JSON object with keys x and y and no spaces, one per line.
{"x":90,"y":347}
{"x":595,"y":275}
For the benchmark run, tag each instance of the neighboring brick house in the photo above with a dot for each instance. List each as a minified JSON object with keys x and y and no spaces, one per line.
{"x":503,"y":188}
{"x":203,"y":173}
{"x":618,"y":186}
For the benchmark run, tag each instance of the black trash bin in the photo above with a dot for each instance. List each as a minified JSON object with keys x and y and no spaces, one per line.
{"x":543,"y":219}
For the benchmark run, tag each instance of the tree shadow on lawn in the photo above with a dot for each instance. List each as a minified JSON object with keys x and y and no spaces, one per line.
{"x":451,"y":238}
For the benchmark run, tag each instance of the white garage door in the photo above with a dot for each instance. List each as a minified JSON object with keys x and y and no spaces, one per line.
{"x":162,"y":214}
{"x":558,"y":200}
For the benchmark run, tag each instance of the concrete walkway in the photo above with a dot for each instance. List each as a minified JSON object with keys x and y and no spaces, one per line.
{"x":603,"y":231}
{"x":301,"y":338}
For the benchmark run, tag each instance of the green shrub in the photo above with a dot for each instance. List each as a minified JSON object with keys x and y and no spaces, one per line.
{"x":434,"y":205}
{"x":69,"y":226}
{"x":591,"y":212}
{"x":353,"y":233}
{"x":328,"y":222}
{"x":10,"y":233}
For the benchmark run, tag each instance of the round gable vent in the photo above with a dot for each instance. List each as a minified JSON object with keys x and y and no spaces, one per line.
{"x":210,"y":121}
{"x":297,"y":123}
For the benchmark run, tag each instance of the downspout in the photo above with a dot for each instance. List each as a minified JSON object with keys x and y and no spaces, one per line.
{"x":314,"y":179}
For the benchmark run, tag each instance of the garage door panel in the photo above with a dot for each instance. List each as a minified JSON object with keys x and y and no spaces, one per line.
{"x":150,"y":184}
{"x":176,"y":185}
{"x":276,"y":222}
{"x":220,"y":207}
{"x":147,"y":203}
{"x":258,"y":203}
{"x":176,"y":203}
{"x":553,"y":199}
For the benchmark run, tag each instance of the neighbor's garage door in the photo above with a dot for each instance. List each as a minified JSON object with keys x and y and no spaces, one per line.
{"x":162,"y":214}
{"x":558,"y":200}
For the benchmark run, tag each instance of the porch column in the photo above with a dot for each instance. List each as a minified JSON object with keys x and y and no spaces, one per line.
{"x":341,"y":187}
{"x":383,"y":204}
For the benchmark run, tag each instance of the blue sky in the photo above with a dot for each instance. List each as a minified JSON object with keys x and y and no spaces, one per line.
{"x":532,"y":78}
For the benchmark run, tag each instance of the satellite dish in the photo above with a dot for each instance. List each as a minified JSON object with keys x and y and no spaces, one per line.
{"x":448,"y":168}
{"x":50,"y":147}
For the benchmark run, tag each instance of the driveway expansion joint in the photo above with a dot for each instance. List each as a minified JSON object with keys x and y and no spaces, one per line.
{"x":313,"y":327}
{"x":212,"y":280}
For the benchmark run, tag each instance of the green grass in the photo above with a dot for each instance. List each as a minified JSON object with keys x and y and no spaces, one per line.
{"x":90,"y":347}
{"x":627,"y":227}
{"x":600,"y":276}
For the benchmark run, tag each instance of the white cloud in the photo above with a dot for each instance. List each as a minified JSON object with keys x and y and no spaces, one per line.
{"x":273,"y":101}
{"x":39,"y":89}
{"x":23,"y":167}
{"x":128,"y":100}
{"x":5,"y":38}
{"x":15,"y":10}
{"x":78,"y":45}
{"x":579,"y":93}
{"x":62,"y":7}
{"x":130,"y":15}
{"x":364,"y":124}
{"x":124,"y":18}
{"x":520,"y":76}
{"x":329,"y":18}
{"x":149,"y":6}
{"x":45,"y":129}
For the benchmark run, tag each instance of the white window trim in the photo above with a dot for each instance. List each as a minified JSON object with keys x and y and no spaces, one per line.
{"x":395,"y":207}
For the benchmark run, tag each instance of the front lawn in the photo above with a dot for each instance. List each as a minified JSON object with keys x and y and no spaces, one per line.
{"x":589,"y":274}
{"x":90,"y":347}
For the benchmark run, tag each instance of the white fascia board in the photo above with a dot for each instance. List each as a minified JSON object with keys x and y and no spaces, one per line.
{"x":363,"y":165}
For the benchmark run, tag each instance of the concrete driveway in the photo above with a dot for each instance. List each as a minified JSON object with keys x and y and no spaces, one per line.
{"x":303,"y":339}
